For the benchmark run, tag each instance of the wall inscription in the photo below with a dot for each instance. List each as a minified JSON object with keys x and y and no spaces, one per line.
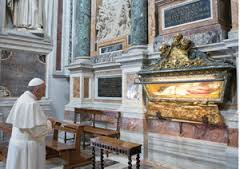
{"x":110,"y":87}
{"x":185,"y":13}
{"x":111,"y":48}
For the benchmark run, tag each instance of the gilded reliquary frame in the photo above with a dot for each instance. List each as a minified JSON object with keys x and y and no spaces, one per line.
{"x":185,"y":84}
{"x":190,"y":88}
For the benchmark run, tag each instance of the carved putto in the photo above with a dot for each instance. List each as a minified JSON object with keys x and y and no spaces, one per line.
{"x":113,"y":19}
{"x":180,"y":55}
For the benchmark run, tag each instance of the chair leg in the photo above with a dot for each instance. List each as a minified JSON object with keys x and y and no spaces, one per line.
{"x":101,"y":157}
{"x":129,"y":162}
{"x":93,"y":158}
{"x":84,"y":139}
{"x":138,"y":162}
{"x":65,"y":137}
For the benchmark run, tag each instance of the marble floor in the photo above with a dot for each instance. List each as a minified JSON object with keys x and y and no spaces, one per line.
{"x":114,"y":161}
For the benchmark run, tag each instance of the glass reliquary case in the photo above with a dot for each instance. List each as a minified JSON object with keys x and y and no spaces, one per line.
{"x":185,"y":84}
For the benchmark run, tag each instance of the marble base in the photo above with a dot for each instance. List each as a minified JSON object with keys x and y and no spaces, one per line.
{"x":82,"y":59}
{"x":137,"y":48}
{"x":185,"y":153}
{"x":233,"y":34}
{"x":95,"y":105}
{"x":231,"y":158}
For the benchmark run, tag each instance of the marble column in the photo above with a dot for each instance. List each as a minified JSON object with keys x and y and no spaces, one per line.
{"x":139,"y":21}
{"x":82,"y":29}
{"x":234,"y":13}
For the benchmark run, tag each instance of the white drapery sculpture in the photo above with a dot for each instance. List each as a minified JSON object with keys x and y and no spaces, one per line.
{"x":27,"y":13}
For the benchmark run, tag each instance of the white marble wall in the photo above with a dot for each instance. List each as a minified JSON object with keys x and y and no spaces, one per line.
{"x":185,"y":153}
{"x":58,"y":85}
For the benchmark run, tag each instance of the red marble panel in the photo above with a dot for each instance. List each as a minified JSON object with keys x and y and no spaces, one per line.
{"x":233,"y":137}
{"x":216,"y":135}
{"x":132,"y":124}
{"x":164,"y":127}
{"x":110,"y":120}
{"x":188,"y":130}
{"x":76,"y":87}
{"x":202,"y":132}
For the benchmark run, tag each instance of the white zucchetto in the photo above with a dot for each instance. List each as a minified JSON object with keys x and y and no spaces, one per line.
{"x":35,"y":82}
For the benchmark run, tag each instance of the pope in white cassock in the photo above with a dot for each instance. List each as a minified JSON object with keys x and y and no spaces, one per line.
{"x":30,"y":126}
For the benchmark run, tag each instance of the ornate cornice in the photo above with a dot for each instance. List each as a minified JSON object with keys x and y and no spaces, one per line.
{"x":25,"y":42}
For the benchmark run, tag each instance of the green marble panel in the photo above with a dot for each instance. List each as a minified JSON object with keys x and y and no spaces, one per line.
{"x":139,"y":17}
{"x":82,"y":28}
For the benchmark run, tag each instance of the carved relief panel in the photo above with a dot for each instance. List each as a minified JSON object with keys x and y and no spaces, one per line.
{"x":113,"y":19}
{"x":111,"y":25}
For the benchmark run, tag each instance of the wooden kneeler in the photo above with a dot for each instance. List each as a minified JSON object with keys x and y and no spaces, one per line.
{"x":69,"y":152}
{"x":6,"y":129}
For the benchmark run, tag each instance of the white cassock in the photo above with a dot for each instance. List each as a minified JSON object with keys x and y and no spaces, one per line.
{"x":27,"y":143}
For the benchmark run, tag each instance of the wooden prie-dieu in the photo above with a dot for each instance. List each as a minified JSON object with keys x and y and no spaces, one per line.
{"x":118,"y":146}
{"x":6,"y":129}
{"x":70,"y":153}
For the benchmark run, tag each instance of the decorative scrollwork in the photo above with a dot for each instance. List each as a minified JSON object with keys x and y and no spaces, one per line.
{"x":186,"y":112}
{"x":4,"y":92}
{"x":42,"y":58}
{"x":5,"y":54}
{"x":106,"y":58}
{"x":180,"y":54}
